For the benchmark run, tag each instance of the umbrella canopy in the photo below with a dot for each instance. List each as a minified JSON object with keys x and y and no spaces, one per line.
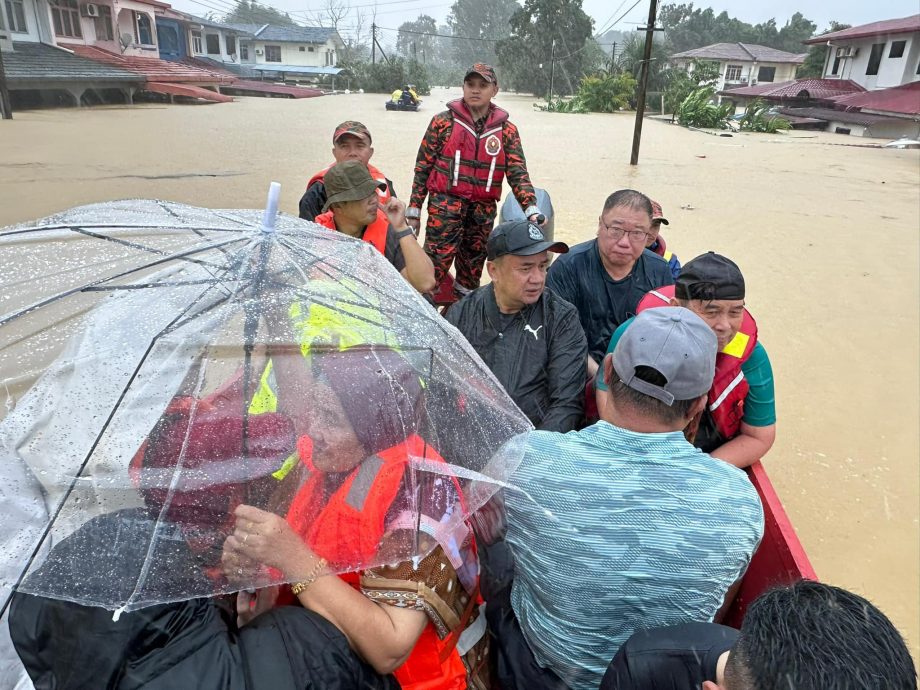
{"x":168,"y":363}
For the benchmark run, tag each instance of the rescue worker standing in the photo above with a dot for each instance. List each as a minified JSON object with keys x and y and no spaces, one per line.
{"x":529,"y":337}
{"x":351,"y":141}
{"x":465,"y":153}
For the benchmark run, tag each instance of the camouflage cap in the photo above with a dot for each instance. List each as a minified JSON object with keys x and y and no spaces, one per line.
{"x":349,"y":181}
{"x":354,"y":128}
{"x":483,"y":70}
{"x":657,"y":213}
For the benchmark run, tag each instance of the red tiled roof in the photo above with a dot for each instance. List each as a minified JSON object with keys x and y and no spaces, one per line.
{"x":153,"y":69}
{"x":903,"y":99}
{"x":248,"y":86}
{"x":904,"y":25}
{"x":188,"y":91}
{"x":814,"y":89}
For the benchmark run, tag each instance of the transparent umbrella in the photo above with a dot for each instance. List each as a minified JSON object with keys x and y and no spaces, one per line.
{"x":162,"y":364}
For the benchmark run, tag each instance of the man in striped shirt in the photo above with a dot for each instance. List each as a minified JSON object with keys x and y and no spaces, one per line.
{"x":626,"y":525}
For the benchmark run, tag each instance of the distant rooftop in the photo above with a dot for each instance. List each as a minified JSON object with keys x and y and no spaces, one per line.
{"x":191,"y":18}
{"x":904,"y":99}
{"x":810,"y":89}
{"x":744,"y":52}
{"x":286,"y":34}
{"x":904,"y":25}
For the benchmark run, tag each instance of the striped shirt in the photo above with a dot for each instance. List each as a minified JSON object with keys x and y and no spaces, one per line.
{"x":613,"y":531}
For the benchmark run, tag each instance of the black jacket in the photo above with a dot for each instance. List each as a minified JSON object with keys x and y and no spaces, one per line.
{"x":539,"y":355}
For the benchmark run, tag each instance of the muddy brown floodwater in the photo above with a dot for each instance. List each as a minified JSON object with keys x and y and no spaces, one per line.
{"x":825,"y":232}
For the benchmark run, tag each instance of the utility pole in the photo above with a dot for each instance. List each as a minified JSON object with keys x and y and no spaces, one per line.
{"x":552,"y":71}
{"x":373,"y":44}
{"x":649,"y":30}
{"x":613,"y":56}
{"x":6,"y":108}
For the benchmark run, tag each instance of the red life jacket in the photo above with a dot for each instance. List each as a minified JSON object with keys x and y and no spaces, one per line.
{"x":661,"y":249}
{"x":725,"y":403}
{"x":378,"y":176}
{"x":471,"y":166}
{"x":375,"y":233}
{"x":350,"y":524}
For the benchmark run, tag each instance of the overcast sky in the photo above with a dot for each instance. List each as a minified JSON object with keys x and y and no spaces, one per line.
{"x":392,"y":13}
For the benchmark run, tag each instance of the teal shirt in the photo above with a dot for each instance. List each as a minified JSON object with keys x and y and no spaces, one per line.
{"x":613,"y":531}
{"x":759,"y":403}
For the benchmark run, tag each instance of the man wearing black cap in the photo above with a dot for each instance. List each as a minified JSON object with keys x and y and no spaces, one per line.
{"x":529,"y":337}
{"x":466,"y":152}
{"x":352,"y":207}
{"x":739,"y":422}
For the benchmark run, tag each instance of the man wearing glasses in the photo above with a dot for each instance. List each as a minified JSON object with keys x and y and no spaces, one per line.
{"x":606,"y":277}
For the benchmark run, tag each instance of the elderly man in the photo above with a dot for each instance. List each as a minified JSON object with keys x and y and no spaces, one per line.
{"x":656,"y":243}
{"x":612,"y":528}
{"x":529,"y":337}
{"x":739,"y":422}
{"x":352,"y":207}
{"x":606,"y":277}
{"x":351,"y":141}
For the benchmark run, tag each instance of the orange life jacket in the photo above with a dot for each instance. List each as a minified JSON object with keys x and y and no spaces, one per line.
{"x":375,"y":233}
{"x":725,"y":403}
{"x":471,"y":165}
{"x":383,"y":194}
{"x":346,"y":529}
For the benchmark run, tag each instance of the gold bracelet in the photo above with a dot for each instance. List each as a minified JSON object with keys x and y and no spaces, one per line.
{"x":299,"y":587}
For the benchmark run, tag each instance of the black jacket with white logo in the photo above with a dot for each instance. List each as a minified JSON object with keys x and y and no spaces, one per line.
{"x":538,"y":354}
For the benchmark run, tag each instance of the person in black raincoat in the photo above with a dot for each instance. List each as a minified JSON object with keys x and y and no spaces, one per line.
{"x":529,"y":337}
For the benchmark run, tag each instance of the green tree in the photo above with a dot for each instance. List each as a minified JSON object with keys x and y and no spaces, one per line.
{"x":631,"y":61}
{"x":540,"y":30}
{"x":757,"y":118}
{"x":416,"y":39}
{"x":796,"y":30}
{"x":817,"y":54}
{"x":251,"y":12}
{"x":698,"y":110}
{"x":477,"y":24}
{"x":681,"y":83}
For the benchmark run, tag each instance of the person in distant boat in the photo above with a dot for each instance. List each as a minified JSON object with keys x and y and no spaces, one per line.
{"x":351,"y":141}
{"x":739,"y":422}
{"x":806,"y":636}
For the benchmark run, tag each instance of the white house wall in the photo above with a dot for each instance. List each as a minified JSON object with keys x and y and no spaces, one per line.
{"x":124,"y":24}
{"x":891,"y":72}
{"x":34,"y":32}
{"x":292,"y":55}
{"x":223,"y":56}
{"x":785,"y":71}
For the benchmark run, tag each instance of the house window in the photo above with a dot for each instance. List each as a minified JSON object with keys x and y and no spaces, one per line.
{"x":302,"y":49}
{"x":16,"y":13}
{"x":212,"y":44}
{"x":311,"y":49}
{"x":196,"y":42}
{"x":897,"y":49}
{"x":836,"y":68}
{"x":65,"y":15}
{"x":143,"y":31}
{"x":330,"y":58}
{"x":733,"y":73}
{"x":231,"y":45}
{"x":103,"y":24}
{"x":766,"y":74}
{"x":875,"y":58}
{"x":244,"y":51}
{"x":272,"y":53}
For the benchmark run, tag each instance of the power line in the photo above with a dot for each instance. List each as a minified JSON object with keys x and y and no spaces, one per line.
{"x":631,"y":7}
{"x":424,"y":33}
{"x":612,"y":15}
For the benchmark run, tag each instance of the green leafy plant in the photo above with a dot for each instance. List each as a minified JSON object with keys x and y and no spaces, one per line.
{"x":698,"y":110}
{"x":757,"y":119}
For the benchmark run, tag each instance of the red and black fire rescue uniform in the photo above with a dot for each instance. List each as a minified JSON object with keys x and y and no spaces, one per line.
{"x":460,"y":167}
{"x":721,"y":420}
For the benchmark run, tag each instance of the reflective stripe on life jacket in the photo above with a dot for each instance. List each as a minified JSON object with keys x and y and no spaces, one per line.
{"x":375,"y":233}
{"x":383,"y":194}
{"x":471,"y":165}
{"x":347,"y":528}
{"x":725,"y":403}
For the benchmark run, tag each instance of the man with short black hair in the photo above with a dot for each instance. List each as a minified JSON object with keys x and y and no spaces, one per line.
{"x":352,"y":208}
{"x":606,"y":277}
{"x":739,"y":422}
{"x":612,"y":528}
{"x":529,"y":337}
{"x":806,"y":636}
{"x":351,"y":141}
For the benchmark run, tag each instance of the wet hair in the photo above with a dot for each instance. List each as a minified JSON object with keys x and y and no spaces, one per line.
{"x":646,"y":405}
{"x":629,"y":198}
{"x":812,"y":636}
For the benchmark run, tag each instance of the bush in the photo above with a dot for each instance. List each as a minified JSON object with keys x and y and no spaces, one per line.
{"x":757,"y":119}
{"x":698,"y":110}
{"x":601,"y":93}
{"x":386,"y":77}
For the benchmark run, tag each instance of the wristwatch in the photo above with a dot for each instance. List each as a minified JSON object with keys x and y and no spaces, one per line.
{"x":405,"y":232}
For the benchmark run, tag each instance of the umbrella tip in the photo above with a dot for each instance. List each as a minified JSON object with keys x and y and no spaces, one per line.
{"x":271,"y":207}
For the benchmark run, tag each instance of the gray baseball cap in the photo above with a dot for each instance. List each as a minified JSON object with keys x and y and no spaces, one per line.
{"x":676,"y":343}
{"x":522,"y":238}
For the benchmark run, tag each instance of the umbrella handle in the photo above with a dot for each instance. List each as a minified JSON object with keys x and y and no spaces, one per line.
{"x":271,"y":207}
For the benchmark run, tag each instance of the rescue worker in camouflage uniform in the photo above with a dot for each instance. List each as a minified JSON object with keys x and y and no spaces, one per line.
{"x":464,"y":155}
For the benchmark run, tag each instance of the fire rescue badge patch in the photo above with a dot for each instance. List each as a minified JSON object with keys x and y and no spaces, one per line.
{"x":493,"y":145}
{"x":535,"y":233}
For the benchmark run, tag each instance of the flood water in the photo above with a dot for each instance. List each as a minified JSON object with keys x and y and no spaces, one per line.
{"x":825,"y":232}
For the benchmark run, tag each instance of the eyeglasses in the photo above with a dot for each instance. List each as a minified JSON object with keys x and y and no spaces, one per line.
{"x":635,"y":236}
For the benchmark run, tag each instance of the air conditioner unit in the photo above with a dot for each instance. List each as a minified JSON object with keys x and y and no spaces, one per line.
{"x":90,"y":10}
{"x":259,"y":51}
{"x":852,"y":52}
